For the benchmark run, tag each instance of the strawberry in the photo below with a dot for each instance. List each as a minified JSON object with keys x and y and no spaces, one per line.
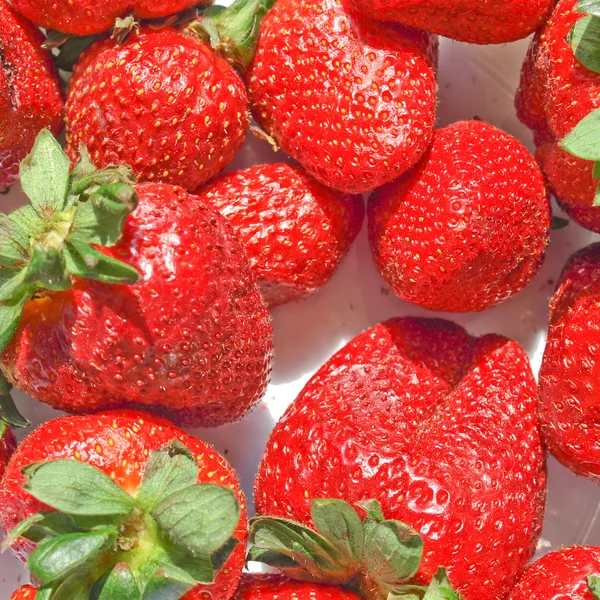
{"x":382,"y":419}
{"x":30,"y":92}
{"x":163,"y":101}
{"x":8,"y":443}
{"x":25,"y":592}
{"x":86,"y":17}
{"x":569,"y":373}
{"x":352,"y":100}
{"x":486,"y":22}
{"x":192,"y":339}
{"x":278,"y":587}
{"x":295,"y":230}
{"x":468,"y":227}
{"x":145,"y":505}
{"x":572,"y":573}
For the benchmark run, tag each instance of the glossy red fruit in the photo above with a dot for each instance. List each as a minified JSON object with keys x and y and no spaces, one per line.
{"x":350,"y":99}
{"x":277,"y":587}
{"x":192,"y":340}
{"x":31,"y":98}
{"x":86,"y":17}
{"x":558,"y":575}
{"x":163,"y":102}
{"x":118,"y":443}
{"x":8,"y":443}
{"x":484,"y":22}
{"x":466,"y":228}
{"x":570,"y":369}
{"x":295,"y":230}
{"x":439,"y":427}
{"x":25,"y":592}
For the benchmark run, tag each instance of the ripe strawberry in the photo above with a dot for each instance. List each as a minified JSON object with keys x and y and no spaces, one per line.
{"x":86,"y":17}
{"x":569,"y":374}
{"x":30,"y":92}
{"x":466,"y":228}
{"x":295,"y":230}
{"x":350,"y":99}
{"x":382,"y":419}
{"x":8,"y":443}
{"x":191,"y":340}
{"x":572,"y":573}
{"x":278,"y":587}
{"x":163,"y":101}
{"x":140,"y":492}
{"x":25,"y":592}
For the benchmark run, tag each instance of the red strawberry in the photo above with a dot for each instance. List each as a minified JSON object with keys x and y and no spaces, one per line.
{"x":486,"y":22}
{"x":133,"y":453}
{"x":278,"y":587}
{"x":562,"y":574}
{"x":25,"y":592}
{"x":570,"y":371}
{"x":350,"y":99}
{"x":440,"y":428}
{"x":86,"y":17}
{"x":30,"y":92}
{"x":192,"y":339}
{"x":295,"y":230}
{"x":468,"y":226}
{"x":8,"y":443}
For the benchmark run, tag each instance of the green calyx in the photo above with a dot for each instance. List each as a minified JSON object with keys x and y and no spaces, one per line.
{"x":376,"y":558}
{"x":159,"y":543}
{"x":593,"y":583}
{"x":233,"y":31}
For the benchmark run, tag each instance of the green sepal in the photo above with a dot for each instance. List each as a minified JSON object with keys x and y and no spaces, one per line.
{"x":199,"y":568}
{"x":593,"y":583}
{"x":440,"y":588}
{"x":596,"y":197}
{"x":582,"y":141}
{"x":76,"y":488}
{"x":169,"y":469}
{"x":8,"y":411}
{"x":41,"y":526}
{"x":14,"y":242}
{"x":589,"y":7}
{"x":584,"y":38}
{"x":559,"y":223}
{"x":118,"y":583}
{"x":45,"y":592}
{"x":10,"y":317}
{"x":73,"y":587}
{"x":178,"y":516}
{"x":168,"y":583}
{"x":374,"y":514}
{"x":56,"y":557}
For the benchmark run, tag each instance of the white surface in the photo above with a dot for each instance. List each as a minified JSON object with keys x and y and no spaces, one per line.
{"x":474,"y":81}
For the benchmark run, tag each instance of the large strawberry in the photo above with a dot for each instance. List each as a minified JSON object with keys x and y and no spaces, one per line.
{"x":164,"y":101}
{"x":25,"y":592}
{"x":107,"y":506}
{"x":468,"y":226}
{"x":571,"y":573}
{"x":439,"y":427}
{"x":192,"y":339}
{"x":86,"y":17}
{"x":482,"y":22}
{"x":30,"y":92}
{"x":352,"y":100}
{"x":295,"y":230}
{"x":570,"y":370}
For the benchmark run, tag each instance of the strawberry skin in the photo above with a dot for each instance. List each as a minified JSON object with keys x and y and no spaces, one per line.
{"x":31,"y":97}
{"x":192,"y":340}
{"x":570,"y":370}
{"x":466,"y":228}
{"x":8,"y":443}
{"x":162,"y":102}
{"x":86,"y":17}
{"x":25,"y":592}
{"x":277,"y":587}
{"x":381,"y":420}
{"x":117,"y":443}
{"x":295,"y":230}
{"x":560,"y":574}
{"x":352,"y":100}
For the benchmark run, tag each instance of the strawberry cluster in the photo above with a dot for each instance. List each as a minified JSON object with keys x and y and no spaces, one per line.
{"x":136,"y":285}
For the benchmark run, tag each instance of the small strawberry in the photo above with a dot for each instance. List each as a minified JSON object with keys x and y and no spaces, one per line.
{"x":87,"y":17}
{"x":192,"y":339}
{"x":295,"y":230}
{"x":352,"y":100}
{"x":570,"y":370}
{"x":571,"y":573}
{"x":121,"y":503}
{"x":164,"y":101}
{"x":440,"y":428}
{"x":466,"y":228}
{"x":25,"y":592}
{"x":31,"y":98}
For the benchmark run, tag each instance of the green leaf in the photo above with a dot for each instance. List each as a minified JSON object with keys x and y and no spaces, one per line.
{"x":585,"y":41}
{"x":590,"y":7}
{"x":10,"y":316}
{"x":74,"y":587}
{"x":393,"y":552}
{"x":374,"y":514}
{"x":199,"y":568}
{"x":593,"y":582}
{"x":45,"y":175}
{"x":40,"y":527}
{"x":69,"y":52}
{"x":14,"y":247}
{"x":199,"y":519}
{"x":168,"y":583}
{"x":169,"y":469}
{"x":86,"y":262}
{"x":337,"y":521}
{"x":45,"y":592}
{"x":221,"y":556}
{"x":559,"y":223}
{"x":76,"y":488}
{"x":118,"y":583}
{"x":583,"y":140}
{"x":441,"y":588}
{"x":8,"y":411}
{"x":56,"y":557}
{"x":597,"y":196}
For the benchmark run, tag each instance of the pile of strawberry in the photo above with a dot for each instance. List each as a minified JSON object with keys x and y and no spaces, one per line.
{"x":136,"y":285}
